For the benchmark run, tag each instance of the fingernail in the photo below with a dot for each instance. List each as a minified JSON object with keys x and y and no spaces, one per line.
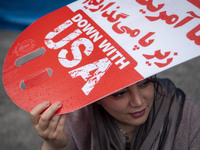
{"x":47,"y":103}
{"x":58,"y":104}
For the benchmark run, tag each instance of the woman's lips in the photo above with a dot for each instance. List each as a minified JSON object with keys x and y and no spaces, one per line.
{"x":138,"y":114}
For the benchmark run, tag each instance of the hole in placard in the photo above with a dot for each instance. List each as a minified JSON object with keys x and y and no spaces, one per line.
{"x":26,"y":58}
{"x":36,"y":78}
{"x":23,"y":86}
{"x":49,"y":72}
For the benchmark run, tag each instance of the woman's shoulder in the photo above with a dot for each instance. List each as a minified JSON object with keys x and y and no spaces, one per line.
{"x":189,"y":129}
{"x":191,"y":112}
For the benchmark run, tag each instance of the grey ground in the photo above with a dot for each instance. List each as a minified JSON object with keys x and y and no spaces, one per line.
{"x":16,"y":131}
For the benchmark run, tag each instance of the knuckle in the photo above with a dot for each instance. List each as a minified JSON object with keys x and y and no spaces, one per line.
{"x":50,"y":136}
{"x":43,"y":119}
{"x":33,"y":118}
{"x":45,"y":135}
{"x":53,"y":136}
{"x":54,"y":119}
{"x":32,"y":114}
{"x":60,"y":128}
{"x":41,"y":133}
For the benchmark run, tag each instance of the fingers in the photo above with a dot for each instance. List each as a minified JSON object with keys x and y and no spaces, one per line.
{"x":54,"y":122}
{"x":61,"y":123}
{"x":35,"y":112}
{"x":46,"y":117}
{"x":60,"y":129}
{"x":48,"y":113}
{"x":48,"y":125}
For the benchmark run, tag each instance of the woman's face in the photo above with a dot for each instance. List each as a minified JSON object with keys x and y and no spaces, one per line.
{"x":130,"y":106}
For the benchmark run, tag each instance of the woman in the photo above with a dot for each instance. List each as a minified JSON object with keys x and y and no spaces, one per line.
{"x":149,"y":115}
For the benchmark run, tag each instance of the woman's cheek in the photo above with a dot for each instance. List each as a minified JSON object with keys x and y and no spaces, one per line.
{"x":115,"y":106}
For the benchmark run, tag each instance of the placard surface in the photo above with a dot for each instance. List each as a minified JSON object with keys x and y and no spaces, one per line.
{"x":89,"y":49}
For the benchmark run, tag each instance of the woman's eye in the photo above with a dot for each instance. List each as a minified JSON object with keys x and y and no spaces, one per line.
{"x":119,"y":94}
{"x":143,"y":84}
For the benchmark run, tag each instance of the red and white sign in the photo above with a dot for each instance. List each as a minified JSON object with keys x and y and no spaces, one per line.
{"x":89,"y":49}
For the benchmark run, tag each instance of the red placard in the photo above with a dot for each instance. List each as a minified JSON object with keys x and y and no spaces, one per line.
{"x":89,"y":49}
{"x":83,"y":61}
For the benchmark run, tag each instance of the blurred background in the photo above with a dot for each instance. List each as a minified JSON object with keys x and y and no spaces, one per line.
{"x":16,"y":131}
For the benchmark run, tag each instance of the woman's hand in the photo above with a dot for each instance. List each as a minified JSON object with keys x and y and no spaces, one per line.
{"x":50,"y":126}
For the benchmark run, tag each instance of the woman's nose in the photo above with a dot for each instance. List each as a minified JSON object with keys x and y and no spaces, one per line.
{"x":136,"y":98}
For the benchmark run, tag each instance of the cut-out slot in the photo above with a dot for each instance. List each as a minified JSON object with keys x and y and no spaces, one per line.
{"x":35,"y":79}
{"x":26,"y":58}
{"x":23,"y":86}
